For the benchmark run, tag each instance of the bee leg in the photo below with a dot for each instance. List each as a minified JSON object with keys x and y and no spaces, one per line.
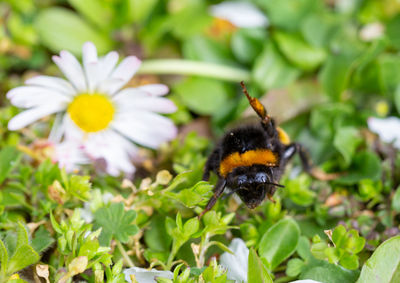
{"x":218,"y":190}
{"x":305,"y":159}
{"x":211,"y":164}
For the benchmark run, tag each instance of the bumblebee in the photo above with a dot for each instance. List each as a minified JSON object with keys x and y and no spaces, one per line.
{"x":250,"y":160}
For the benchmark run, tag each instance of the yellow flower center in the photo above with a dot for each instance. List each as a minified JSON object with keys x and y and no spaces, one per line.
{"x":91,"y":112}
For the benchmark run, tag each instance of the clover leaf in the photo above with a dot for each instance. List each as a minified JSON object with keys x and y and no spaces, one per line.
{"x":115,"y":223}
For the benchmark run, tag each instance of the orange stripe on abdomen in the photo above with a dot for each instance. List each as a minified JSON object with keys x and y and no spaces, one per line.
{"x":248,"y":158}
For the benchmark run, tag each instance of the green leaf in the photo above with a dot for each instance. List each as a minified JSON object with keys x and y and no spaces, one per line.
{"x":115,"y":223}
{"x":349,"y":261}
{"x":257,"y":272}
{"x":322,"y":271}
{"x":393,"y":31}
{"x":384,"y":264}
{"x":203,"y":96}
{"x":299,"y":192}
{"x":24,"y":256}
{"x":3,"y":257}
{"x":191,"y":226}
{"x":79,"y":187}
{"x":365,"y":165}
{"x":61,"y":29}
{"x":299,"y":52}
{"x":271,"y":70}
{"x":199,"y":193}
{"x":279,"y":242}
{"x":389,"y":66}
{"x":396,"y":200}
{"x":201,"y":48}
{"x":346,"y":141}
{"x":42,"y":240}
{"x":9,"y":159}
{"x":246,"y":44}
{"x":294,"y":267}
{"x":55,"y":224}
{"x":288,"y":14}
{"x":335,"y":74}
{"x":156,"y":236}
{"x":141,"y":10}
{"x":339,"y":236}
{"x":22,"y":235}
{"x":98,"y":12}
{"x":397,"y":98}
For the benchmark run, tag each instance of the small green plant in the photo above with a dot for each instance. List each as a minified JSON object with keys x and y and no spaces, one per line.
{"x":16,"y":253}
{"x":346,"y":246}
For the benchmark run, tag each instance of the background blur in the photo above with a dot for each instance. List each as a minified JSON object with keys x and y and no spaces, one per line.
{"x":322,"y":68}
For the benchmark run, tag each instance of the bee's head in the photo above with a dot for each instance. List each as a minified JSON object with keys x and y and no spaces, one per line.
{"x":252,"y":186}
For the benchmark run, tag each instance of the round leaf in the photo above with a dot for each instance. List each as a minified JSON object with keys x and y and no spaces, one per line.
{"x":384,"y":264}
{"x":279,"y":242}
{"x":61,"y":29}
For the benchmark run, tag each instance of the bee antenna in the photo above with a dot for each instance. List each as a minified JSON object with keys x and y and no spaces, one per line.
{"x":245,"y":91}
{"x":278,"y":185}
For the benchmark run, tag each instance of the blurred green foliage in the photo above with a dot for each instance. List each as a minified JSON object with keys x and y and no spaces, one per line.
{"x":326,"y":65}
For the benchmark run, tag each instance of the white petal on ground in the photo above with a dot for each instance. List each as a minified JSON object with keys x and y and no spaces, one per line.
{"x":305,"y":281}
{"x":70,"y":155}
{"x":154,"y":104}
{"x":31,"y":96}
{"x":115,"y":149}
{"x":72,"y":69}
{"x":121,"y":75}
{"x":145,"y":128}
{"x":90,"y":64}
{"x":241,"y":14}
{"x":236,"y":263}
{"x":55,"y":83}
{"x":388,"y":129}
{"x":146,"y":276}
{"x":31,"y":115}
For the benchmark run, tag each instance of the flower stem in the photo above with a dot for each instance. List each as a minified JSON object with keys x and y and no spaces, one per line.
{"x":196,"y":68}
{"x":127,"y":259}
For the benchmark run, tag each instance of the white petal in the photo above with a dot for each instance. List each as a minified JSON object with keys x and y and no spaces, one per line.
{"x":31,"y":96}
{"x":388,"y":129}
{"x":72,"y":131}
{"x":58,"y":129}
{"x":107,"y":65}
{"x":155,"y":89}
{"x":145,"y":128}
{"x":90,"y":64}
{"x":31,"y":115}
{"x":115,"y":150}
{"x":121,"y":75}
{"x":69,"y":155}
{"x":72,"y":70}
{"x":236,"y":263}
{"x":54,"y":83}
{"x":155,"y":104}
{"x":241,"y":14}
{"x":305,"y":281}
{"x":146,"y":276}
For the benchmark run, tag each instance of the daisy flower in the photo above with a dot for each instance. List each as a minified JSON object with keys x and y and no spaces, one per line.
{"x":240,"y":14}
{"x":94,"y":111}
